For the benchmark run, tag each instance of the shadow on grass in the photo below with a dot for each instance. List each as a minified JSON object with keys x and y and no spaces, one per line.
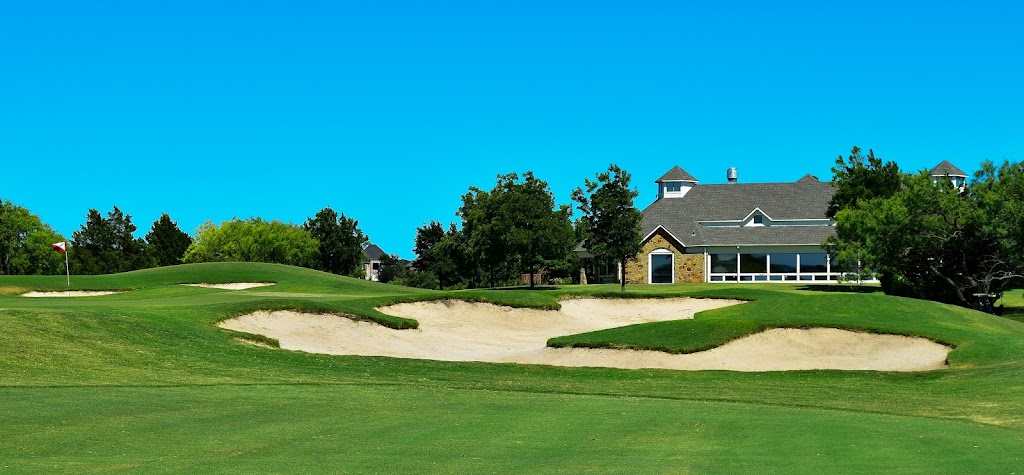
{"x":1014,"y":313}
{"x":525,"y":287}
{"x":848,"y":288}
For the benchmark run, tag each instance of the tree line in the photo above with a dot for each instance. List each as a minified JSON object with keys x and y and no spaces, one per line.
{"x":927,"y":238}
{"x":516,"y":229}
{"x":512,"y":230}
{"x":107,"y":244}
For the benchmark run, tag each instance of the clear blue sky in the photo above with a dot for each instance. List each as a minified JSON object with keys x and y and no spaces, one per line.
{"x":389,"y":111}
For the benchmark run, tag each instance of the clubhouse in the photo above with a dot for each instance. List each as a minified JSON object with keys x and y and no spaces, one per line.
{"x":741,"y":232}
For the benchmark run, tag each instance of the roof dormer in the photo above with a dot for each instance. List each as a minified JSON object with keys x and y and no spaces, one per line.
{"x":675,"y":183}
{"x":756,"y":218}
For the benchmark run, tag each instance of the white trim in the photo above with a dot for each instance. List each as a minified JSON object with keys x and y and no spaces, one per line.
{"x":776,"y":222}
{"x":684,"y":181}
{"x":684,"y":187}
{"x":648,"y":236}
{"x":764,"y":245}
{"x":755,"y":211}
{"x":650,"y":264}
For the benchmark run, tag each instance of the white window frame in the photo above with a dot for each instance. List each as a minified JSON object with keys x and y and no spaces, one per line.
{"x":650,"y":264}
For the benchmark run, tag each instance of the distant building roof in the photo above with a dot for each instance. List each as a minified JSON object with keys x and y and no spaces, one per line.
{"x":373,"y":252}
{"x":804,"y":199}
{"x":676,"y":174}
{"x":808,"y":178}
{"x":946,"y":169}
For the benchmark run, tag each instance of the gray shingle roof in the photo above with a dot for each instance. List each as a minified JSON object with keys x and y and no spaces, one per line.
{"x":808,"y":178}
{"x":805,"y":199}
{"x":946,"y":169}
{"x":676,"y":174}
{"x":372,"y":251}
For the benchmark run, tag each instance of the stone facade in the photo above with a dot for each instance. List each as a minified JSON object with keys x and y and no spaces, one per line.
{"x":689,"y":267}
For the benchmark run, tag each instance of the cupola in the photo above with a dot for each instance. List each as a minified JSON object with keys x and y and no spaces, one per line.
{"x":948,"y":171}
{"x":675,"y":183}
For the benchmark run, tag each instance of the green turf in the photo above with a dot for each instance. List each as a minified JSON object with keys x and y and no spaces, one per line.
{"x":1013,"y":304}
{"x":144,"y":381}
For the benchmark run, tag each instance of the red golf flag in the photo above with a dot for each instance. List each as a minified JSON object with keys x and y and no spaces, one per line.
{"x":59,"y":246}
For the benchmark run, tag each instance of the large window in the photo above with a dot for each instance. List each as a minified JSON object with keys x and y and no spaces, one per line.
{"x":661,"y":268}
{"x":771,"y":266}
{"x":783,"y":264}
{"x":753,"y":263}
{"x":813,"y":263}
{"x":723,"y":263}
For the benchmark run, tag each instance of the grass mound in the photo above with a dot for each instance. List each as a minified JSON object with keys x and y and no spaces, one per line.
{"x":875,"y":313}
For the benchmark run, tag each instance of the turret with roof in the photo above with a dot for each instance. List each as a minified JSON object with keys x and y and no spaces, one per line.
{"x":675,"y":184}
{"x":946,"y":170}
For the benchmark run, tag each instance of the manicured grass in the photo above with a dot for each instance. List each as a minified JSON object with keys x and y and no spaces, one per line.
{"x":145,"y":381}
{"x":1013,"y":304}
{"x":362,"y":428}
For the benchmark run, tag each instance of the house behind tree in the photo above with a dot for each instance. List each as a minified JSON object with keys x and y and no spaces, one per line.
{"x":372,"y":263}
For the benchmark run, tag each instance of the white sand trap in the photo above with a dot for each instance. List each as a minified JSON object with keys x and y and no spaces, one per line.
{"x":68,"y":293}
{"x":464,"y":331}
{"x":232,"y":285}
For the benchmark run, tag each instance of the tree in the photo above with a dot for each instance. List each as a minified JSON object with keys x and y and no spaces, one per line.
{"x":484,"y":241}
{"x":516,"y":225}
{"x":25,"y":243}
{"x":252,"y":240}
{"x":427,"y":238}
{"x":610,"y":222}
{"x":340,"y":242}
{"x":167,"y":243}
{"x":443,"y":254}
{"x":108,"y":245}
{"x":391,"y":267}
{"x":931,"y":240}
{"x":860,"y":178}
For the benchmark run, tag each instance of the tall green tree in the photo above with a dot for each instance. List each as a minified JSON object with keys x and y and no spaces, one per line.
{"x":340,"y":242}
{"x":858,"y":180}
{"x":25,"y":243}
{"x":252,"y":240}
{"x":427,"y":238}
{"x":108,"y":245}
{"x":516,"y":225}
{"x":443,"y":254}
{"x":167,"y":243}
{"x":610,"y":223}
{"x":485,"y":242}
{"x":862,"y":178}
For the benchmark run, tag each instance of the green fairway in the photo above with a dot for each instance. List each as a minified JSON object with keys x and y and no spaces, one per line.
{"x":145,"y":381}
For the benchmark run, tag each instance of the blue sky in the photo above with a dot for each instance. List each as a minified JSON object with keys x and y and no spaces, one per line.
{"x":389,"y":111}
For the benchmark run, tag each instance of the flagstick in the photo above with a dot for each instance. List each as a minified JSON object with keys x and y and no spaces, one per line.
{"x":67,"y":268}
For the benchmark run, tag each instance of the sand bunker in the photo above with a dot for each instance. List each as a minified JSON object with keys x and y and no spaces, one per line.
{"x":464,"y":331}
{"x":233,"y":285}
{"x":68,"y":293}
